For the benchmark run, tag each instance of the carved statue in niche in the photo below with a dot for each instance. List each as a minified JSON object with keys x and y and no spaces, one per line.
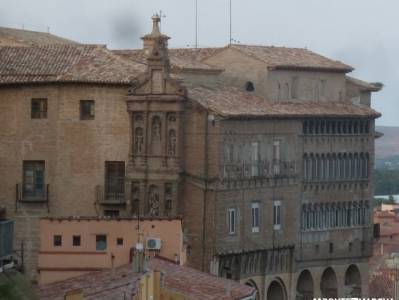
{"x":153,"y":201}
{"x":172,"y":140}
{"x":156,"y":129}
{"x":172,"y":117}
{"x":138,"y":140}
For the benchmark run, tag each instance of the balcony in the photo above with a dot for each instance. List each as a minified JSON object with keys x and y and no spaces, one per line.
{"x":37,"y":195}
{"x":260,"y":169}
{"x":111,"y":194}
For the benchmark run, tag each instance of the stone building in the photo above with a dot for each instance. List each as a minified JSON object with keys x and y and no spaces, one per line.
{"x":266,"y":153}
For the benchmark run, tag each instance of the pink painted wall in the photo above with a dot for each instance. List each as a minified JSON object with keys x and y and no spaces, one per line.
{"x":65,"y":261}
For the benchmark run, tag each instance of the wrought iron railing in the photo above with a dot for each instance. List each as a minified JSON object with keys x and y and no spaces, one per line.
{"x":111,"y":193}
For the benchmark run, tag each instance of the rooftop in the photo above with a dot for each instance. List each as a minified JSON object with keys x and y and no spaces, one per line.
{"x":113,"y":284}
{"x":235,"y":103}
{"x":22,"y":37}
{"x":65,"y":63}
{"x":292,"y":58}
{"x":118,"y":283}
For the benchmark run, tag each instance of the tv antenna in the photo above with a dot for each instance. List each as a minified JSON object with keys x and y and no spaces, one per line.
{"x":161,"y":15}
{"x":231,"y":22}
{"x":196,"y":24}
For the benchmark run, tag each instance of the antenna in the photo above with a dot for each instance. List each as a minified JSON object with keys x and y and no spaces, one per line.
{"x":231,"y":21}
{"x":161,"y":15}
{"x":196,"y":24}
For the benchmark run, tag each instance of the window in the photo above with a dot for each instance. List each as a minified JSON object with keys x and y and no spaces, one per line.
{"x":87,"y":109}
{"x":255,"y":158}
{"x":294,"y":88}
{"x":119,"y":241}
{"x":331,"y":248}
{"x":76,"y":240}
{"x":255,"y":216}
{"x":232,"y":216}
{"x":101,"y":242}
{"x":115,"y":179}
{"x":57,"y":240}
{"x":39,"y":108}
{"x":249,"y":86}
{"x":33,"y":180}
{"x":277,"y":215}
{"x":276,"y":157}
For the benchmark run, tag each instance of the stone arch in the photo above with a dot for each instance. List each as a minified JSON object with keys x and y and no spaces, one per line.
{"x":328,"y":284}
{"x":353,"y":283}
{"x":252,"y":284}
{"x":304,"y":286}
{"x":276,"y":290}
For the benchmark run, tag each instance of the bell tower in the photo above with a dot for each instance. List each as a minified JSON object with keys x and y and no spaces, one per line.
{"x":155,"y":106}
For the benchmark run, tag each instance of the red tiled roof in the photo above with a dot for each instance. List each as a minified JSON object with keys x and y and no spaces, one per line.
{"x":187,"y":59}
{"x":104,"y":285}
{"x":365,"y":86}
{"x":65,"y":63}
{"x":113,"y":284}
{"x":292,"y":58}
{"x":199,"y":285}
{"x":21,"y":37}
{"x":235,"y":103}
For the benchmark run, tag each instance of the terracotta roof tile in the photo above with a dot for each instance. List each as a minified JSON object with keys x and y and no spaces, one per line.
{"x":199,"y":285}
{"x":292,"y":58}
{"x":113,"y":284}
{"x":235,"y":103}
{"x":65,"y":63}
{"x":21,"y":37}
{"x":188,"y":59}
{"x":103,"y":285}
{"x":365,"y":86}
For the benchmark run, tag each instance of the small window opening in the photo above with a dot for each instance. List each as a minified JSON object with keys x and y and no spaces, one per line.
{"x":249,"y":86}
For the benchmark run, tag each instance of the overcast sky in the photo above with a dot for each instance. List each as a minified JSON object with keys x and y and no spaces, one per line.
{"x":362,"y":33}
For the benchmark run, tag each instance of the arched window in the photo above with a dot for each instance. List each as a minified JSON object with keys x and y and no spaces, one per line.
{"x":138,"y":141}
{"x":333,"y":215}
{"x":314,"y":166}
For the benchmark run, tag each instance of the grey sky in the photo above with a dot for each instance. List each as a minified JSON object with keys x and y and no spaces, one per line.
{"x":362,"y":33}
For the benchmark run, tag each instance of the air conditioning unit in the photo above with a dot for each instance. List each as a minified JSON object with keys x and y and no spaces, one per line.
{"x":154,"y":244}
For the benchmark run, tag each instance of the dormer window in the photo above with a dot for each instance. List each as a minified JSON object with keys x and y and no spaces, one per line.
{"x":249,"y":86}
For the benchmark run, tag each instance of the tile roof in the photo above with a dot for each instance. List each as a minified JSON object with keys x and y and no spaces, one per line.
{"x":65,"y":63}
{"x":235,"y":103}
{"x":273,"y":57}
{"x":197,"y":285}
{"x":21,"y":37}
{"x":365,"y":86}
{"x":292,"y":58}
{"x":104,"y":285}
{"x":113,"y":284}
{"x":180,"y":59}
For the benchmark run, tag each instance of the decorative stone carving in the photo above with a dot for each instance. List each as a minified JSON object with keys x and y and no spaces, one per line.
{"x":172,"y":140}
{"x":138,"y":140}
{"x":153,"y":201}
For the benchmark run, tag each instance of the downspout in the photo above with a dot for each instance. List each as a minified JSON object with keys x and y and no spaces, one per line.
{"x":204,"y":207}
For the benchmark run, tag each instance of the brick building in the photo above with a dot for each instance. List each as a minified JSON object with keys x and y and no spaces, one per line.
{"x":266,"y":153}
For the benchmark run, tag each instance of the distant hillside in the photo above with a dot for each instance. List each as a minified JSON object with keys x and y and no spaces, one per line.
{"x":388,"y":145}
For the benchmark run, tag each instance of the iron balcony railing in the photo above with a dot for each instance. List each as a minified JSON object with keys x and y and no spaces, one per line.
{"x":6,"y":238}
{"x":260,"y":168}
{"x":112,"y":193}
{"x":22,"y":195}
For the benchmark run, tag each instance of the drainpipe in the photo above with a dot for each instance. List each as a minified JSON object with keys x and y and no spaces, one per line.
{"x":204,"y":206}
